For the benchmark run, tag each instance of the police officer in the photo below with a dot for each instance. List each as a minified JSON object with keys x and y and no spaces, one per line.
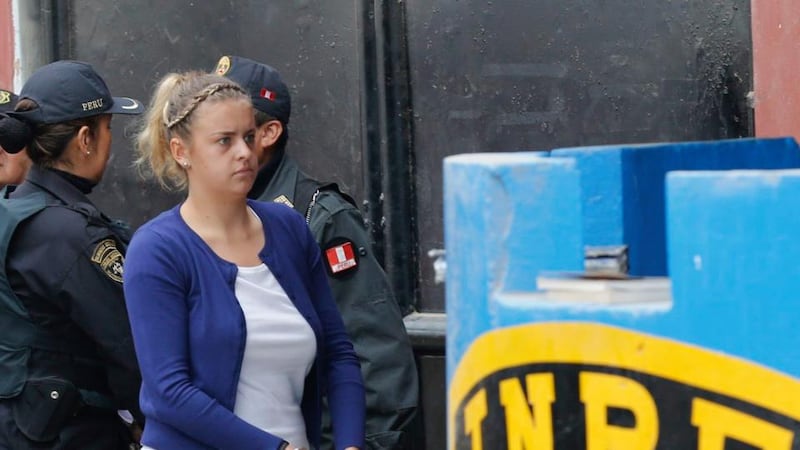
{"x":360,"y":287}
{"x":13,"y":166}
{"x":67,"y":363}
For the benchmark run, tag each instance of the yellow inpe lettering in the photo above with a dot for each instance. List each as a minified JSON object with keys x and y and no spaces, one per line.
{"x":525,"y":430}
{"x":599,"y":391}
{"x":474,"y":413}
{"x":716,"y":422}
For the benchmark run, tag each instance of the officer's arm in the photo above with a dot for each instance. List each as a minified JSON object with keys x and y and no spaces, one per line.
{"x":91,"y":293}
{"x":371,"y":315}
{"x":363,"y":294}
{"x":345,"y":388}
{"x":362,"y":281}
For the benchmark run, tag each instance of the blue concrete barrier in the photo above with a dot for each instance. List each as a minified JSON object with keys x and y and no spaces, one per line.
{"x":623,"y":187}
{"x":509,"y":216}
{"x":715,"y":366}
{"x":734,"y":246}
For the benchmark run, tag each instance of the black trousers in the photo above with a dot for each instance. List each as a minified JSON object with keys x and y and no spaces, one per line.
{"x":89,"y":430}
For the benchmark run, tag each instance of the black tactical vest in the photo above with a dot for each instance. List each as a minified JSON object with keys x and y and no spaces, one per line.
{"x":19,"y":334}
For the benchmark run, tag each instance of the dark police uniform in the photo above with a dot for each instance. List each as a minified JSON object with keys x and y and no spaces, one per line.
{"x":64,"y":265}
{"x":364,"y":297}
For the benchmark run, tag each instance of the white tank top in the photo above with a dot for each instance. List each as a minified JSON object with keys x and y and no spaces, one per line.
{"x":279,"y":351}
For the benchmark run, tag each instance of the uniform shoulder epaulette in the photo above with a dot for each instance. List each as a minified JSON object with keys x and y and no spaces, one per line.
{"x":333,"y":187}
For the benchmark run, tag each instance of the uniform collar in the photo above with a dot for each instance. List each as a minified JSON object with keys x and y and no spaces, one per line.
{"x":54,"y":184}
{"x":83,"y":185}
{"x":6,"y":191}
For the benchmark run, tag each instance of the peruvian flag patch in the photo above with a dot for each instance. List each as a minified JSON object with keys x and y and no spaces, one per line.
{"x":341,"y":257}
{"x":267,"y":94}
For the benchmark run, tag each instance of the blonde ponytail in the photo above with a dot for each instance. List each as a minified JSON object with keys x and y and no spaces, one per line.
{"x":169,"y":115}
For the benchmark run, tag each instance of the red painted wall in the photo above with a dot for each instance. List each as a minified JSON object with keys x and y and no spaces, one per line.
{"x":776,"y":67}
{"x":6,"y":45}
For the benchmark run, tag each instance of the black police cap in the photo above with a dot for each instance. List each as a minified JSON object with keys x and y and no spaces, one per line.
{"x":67,"y":90}
{"x":264,"y":84}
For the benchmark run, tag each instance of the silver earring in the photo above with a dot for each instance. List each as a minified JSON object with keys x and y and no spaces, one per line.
{"x":185,"y":164}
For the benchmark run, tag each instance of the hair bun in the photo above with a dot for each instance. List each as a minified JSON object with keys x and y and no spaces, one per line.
{"x":15,"y":134}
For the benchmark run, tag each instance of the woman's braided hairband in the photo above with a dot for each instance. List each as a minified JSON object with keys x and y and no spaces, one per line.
{"x":204,"y":94}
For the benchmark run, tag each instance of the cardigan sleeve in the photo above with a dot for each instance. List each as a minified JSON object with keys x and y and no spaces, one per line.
{"x":155,"y":290}
{"x":345,"y":388}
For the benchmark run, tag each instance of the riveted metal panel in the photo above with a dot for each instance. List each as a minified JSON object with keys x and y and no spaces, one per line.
{"x":315,"y":44}
{"x":511,"y":75}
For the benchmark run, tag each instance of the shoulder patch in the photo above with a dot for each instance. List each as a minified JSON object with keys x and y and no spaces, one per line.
{"x":284,"y":200}
{"x":341,"y":257}
{"x":109,"y":258}
{"x":5,"y":97}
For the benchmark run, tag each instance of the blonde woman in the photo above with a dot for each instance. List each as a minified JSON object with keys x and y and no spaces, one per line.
{"x":235,"y":329}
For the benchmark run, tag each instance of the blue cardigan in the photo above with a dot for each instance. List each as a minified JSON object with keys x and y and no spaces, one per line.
{"x":189,"y":332}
